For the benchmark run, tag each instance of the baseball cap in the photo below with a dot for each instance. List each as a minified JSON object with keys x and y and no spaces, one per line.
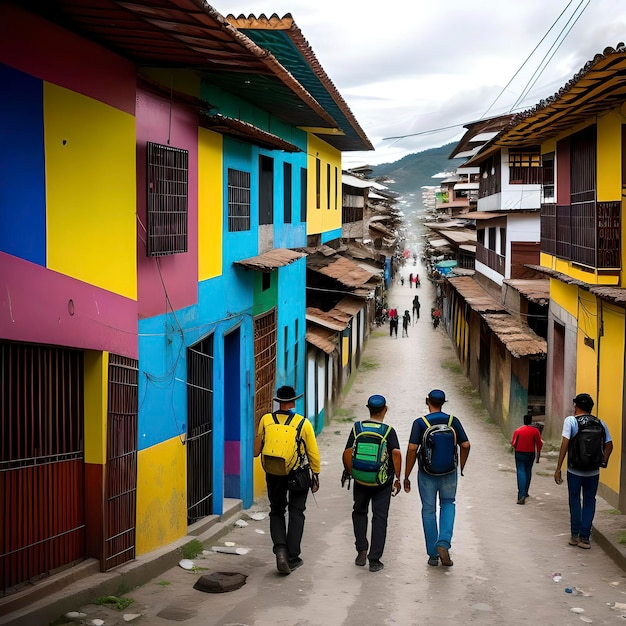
{"x":436,"y":396}
{"x":376,"y":402}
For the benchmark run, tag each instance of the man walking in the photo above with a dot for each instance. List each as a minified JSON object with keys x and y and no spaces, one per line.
{"x":437,"y":436}
{"x":527,"y":443}
{"x":281,"y":492}
{"x":373,"y":480}
{"x":588,"y":445}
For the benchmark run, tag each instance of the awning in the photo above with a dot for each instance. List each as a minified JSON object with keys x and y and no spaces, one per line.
{"x":439,"y":243}
{"x":321,"y":338}
{"x":534,"y":290}
{"x":350,"y":305}
{"x":516,"y":337}
{"x":333,"y":319}
{"x":268,"y":261}
{"x":481,"y":215}
{"x":342,"y":270}
{"x":466,"y":186}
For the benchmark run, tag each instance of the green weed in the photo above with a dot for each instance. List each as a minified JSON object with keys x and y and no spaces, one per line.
{"x":613,"y":512}
{"x":621,"y":538}
{"x":452,"y":366}
{"x":368,"y":364}
{"x":192,"y":549}
{"x":114,"y":601}
{"x":164,"y":583}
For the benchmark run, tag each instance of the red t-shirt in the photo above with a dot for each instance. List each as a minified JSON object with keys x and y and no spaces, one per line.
{"x":526,"y":439}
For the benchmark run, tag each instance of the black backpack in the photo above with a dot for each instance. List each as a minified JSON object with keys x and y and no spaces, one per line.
{"x":438,"y":449}
{"x":586,"y":447}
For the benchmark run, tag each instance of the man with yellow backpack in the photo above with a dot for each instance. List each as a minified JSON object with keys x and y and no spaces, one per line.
{"x":291,"y":460}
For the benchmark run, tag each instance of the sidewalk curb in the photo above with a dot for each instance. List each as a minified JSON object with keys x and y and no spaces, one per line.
{"x":47,"y":600}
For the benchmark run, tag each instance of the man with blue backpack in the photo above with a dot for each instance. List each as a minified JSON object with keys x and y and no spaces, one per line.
{"x":435,"y":441}
{"x":372,"y":457}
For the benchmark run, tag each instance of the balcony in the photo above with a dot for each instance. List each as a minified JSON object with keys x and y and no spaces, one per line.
{"x":585,"y":232}
{"x":490,"y":258}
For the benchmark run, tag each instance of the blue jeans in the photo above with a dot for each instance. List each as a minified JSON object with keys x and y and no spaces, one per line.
{"x":437,"y":534}
{"x":582,"y":518}
{"x":524,"y":464}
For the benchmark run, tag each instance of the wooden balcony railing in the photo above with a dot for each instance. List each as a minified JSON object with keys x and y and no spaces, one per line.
{"x":490,"y":258}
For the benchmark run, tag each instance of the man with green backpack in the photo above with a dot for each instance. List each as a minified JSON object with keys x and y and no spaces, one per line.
{"x":372,"y":457}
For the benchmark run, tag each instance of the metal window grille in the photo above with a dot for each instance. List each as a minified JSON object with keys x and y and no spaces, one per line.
{"x":238,"y":200}
{"x":121,"y":475}
{"x":42,"y":481}
{"x":167,"y":213}
{"x":264,"y":362}
{"x":548,"y":228}
{"x":200,"y":429}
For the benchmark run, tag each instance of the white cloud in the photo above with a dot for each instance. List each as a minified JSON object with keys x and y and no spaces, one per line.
{"x":410,"y":66}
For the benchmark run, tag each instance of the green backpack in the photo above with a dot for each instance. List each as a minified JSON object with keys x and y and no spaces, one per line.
{"x":369,"y":453}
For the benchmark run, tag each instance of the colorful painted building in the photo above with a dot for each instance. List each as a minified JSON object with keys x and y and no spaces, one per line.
{"x":155,"y":182}
{"x":581,"y":134}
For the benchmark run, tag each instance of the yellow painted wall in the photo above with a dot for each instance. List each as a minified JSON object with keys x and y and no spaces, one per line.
{"x":609,"y":402}
{"x":609,"y":163}
{"x":345,"y":351}
{"x":323,"y":219}
{"x":210,"y":192}
{"x":566,"y":296}
{"x":91,"y":199}
{"x":161,"y":495}
{"x":586,"y":357}
{"x":96,"y":367}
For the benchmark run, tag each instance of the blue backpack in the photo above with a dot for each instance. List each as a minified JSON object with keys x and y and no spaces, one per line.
{"x":370,"y":454}
{"x":438,"y":449}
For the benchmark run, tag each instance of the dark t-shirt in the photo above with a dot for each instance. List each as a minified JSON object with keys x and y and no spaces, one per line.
{"x":419,"y":427}
{"x":392,"y":444}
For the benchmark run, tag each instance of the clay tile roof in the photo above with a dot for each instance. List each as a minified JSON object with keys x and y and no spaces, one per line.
{"x":537,"y":291}
{"x":343,"y":270}
{"x":333,"y":319}
{"x":268,"y":261}
{"x":350,"y":305}
{"x":322,"y":338}
{"x":518,"y":338}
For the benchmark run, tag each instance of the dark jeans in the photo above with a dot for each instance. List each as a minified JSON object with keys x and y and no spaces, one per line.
{"x":380,"y":497}
{"x":524,"y":464}
{"x":582,"y":518}
{"x":282,"y":499}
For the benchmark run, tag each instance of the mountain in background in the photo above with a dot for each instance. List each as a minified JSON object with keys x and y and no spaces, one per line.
{"x":416,"y":170}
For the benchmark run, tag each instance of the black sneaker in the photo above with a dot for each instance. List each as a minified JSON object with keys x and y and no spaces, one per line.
{"x":433,"y":560}
{"x":361,"y":558}
{"x":295,"y":563}
{"x":282,"y":563}
{"x":376,"y":566}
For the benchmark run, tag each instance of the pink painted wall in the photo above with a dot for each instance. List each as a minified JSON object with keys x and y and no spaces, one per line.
{"x":41,"y":306}
{"x":32,"y":45}
{"x":178,"y":129}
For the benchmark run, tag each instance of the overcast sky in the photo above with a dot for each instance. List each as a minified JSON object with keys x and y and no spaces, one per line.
{"x":411,"y":66}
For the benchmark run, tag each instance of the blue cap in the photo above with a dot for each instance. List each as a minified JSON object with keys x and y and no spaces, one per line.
{"x":436,"y":396}
{"x":376,"y":402}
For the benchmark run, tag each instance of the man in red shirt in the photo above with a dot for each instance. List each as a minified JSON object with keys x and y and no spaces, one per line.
{"x":527,"y":443}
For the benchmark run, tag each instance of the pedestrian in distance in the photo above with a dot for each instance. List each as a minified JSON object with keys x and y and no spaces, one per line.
{"x":527,"y":443}
{"x":443,"y":446}
{"x":406,"y":320}
{"x":393,"y":322}
{"x":373,"y":458}
{"x":410,"y":280}
{"x":416,"y":308}
{"x":291,"y":460}
{"x":587,"y":442}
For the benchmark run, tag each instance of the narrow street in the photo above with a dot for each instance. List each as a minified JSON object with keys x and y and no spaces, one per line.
{"x":505,"y":555}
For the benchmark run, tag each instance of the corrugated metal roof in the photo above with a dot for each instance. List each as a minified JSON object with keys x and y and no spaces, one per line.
{"x":519,"y":339}
{"x":321,"y":338}
{"x":268,"y":261}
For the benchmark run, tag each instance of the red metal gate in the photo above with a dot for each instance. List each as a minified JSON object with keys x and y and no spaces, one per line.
{"x":121,"y":468}
{"x":42,"y":527}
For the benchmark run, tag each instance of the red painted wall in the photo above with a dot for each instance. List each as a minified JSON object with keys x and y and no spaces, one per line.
{"x":170,"y":124}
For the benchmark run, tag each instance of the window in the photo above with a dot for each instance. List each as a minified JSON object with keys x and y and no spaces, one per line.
{"x":238,"y":200}
{"x":287,"y":191}
{"x":503,"y":241}
{"x":266,"y":190}
{"x":547,"y":189}
{"x":266,"y":281}
{"x":318,"y":183}
{"x":328,"y":185}
{"x":336,"y":189}
{"x":480,"y":235}
{"x":491,"y":243}
{"x":167,"y":179}
{"x":524,"y":167}
{"x":303,"y":193}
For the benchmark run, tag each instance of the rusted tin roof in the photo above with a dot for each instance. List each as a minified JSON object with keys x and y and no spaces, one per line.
{"x":343,"y":270}
{"x":610,"y":293}
{"x":322,"y":338}
{"x":537,"y":291}
{"x":268,"y":261}
{"x":334,"y":319}
{"x":519,"y":339}
{"x":283,"y":38}
{"x":350,"y":305}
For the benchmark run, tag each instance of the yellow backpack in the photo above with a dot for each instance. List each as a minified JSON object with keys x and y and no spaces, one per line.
{"x":281,"y":445}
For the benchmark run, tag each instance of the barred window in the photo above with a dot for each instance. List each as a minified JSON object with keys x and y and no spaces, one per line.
{"x":525,"y":167}
{"x":238,"y":200}
{"x":167,"y":182}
